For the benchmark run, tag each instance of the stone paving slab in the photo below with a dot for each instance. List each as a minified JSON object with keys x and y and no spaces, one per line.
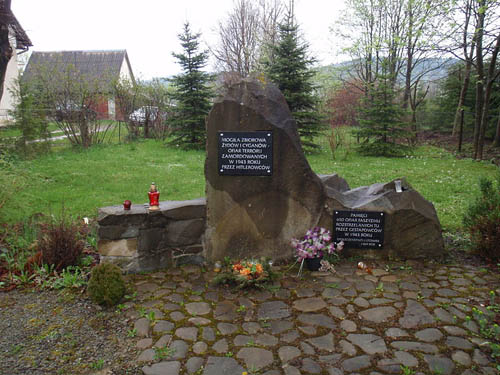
{"x":350,"y":323}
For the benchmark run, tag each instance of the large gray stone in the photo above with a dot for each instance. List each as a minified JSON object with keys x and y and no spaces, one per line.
{"x":415,"y":315}
{"x":378,"y":314}
{"x":317,"y":320}
{"x":222,"y":366}
{"x":273,"y":310}
{"x":255,"y":357}
{"x":184,"y":210}
{"x":324,"y":343}
{"x":288,"y":353}
{"x":334,"y":182}
{"x":171,"y":368}
{"x":309,"y":304}
{"x":253,"y":215}
{"x":439,"y":365}
{"x":356,"y":363}
{"x":185,"y":232}
{"x":370,"y":344}
{"x":412,"y":228}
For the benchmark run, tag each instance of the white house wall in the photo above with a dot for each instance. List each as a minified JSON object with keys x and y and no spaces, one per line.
{"x":125,"y":71}
{"x":8,"y":102}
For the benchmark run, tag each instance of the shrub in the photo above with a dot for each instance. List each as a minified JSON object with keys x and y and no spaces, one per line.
{"x":106,"y":284}
{"x":482,"y":220}
{"x":61,"y":243}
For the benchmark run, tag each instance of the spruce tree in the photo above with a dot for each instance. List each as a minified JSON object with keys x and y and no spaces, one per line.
{"x":380,"y":121}
{"x":192,"y":93}
{"x":291,"y":70}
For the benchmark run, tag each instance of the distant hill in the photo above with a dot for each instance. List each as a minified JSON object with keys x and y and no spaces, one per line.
{"x":434,"y":69}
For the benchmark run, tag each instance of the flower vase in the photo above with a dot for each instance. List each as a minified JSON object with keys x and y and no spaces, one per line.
{"x":313,"y":264}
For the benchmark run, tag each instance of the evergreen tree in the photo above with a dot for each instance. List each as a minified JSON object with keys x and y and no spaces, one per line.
{"x":380,"y":121}
{"x":192,"y":93}
{"x":290,"y":70}
{"x":30,"y":118}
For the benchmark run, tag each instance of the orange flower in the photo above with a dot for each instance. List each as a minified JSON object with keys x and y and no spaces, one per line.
{"x":245,"y":271}
{"x":237,"y":267}
{"x":259,"y":268}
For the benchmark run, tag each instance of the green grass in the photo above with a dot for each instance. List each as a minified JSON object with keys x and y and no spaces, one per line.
{"x":108,"y":174}
{"x":10,"y":131}
{"x":447,"y":182}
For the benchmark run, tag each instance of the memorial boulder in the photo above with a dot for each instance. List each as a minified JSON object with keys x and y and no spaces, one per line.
{"x":390,"y":220}
{"x":261,"y":192}
{"x":260,"y":189}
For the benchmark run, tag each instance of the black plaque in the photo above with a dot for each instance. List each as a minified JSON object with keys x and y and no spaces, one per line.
{"x":359,"y":229}
{"x":245,"y":153}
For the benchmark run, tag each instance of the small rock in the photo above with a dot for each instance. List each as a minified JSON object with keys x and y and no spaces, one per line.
{"x":220,"y":346}
{"x":200,"y":347}
{"x":356,"y":363}
{"x":288,"y":353}
{"x":370,"y":344}
{"x":198,"y":308}
{"x":187,"y":333}
{"x":439,"y":365}
{"x":141,"y":327}
{"x":146,"y":356}
{"x":309,"y":304}
{"x":348,"y":326}
{"x":310,"y":367}
{"x":406,"y":359}
{"x":347,"y":348}
{"x":429,"y":335}
{"x":378,"y":314}
{"x":221,"y":365}
{"x":227,"y":328}
{"x":144,"y":343}
{"x":162,"y":326}
{"x":324,"y":343}
{"x":462,"y":358}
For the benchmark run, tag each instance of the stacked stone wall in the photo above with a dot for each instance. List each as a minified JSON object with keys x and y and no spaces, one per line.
{"x":141,"y":240}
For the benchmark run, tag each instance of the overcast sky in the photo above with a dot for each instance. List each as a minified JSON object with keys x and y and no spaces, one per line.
{"x":148,"y":29}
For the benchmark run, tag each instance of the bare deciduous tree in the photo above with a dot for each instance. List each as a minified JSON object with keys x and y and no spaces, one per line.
{"x":246,"y":33}
{"x":71,"y":99}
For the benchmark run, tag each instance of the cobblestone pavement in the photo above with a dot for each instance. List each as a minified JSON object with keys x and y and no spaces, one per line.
{"x":407,"y":320}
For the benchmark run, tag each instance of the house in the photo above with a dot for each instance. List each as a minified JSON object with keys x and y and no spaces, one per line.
{"x":19,"y":43}
{"x":104,"y":66}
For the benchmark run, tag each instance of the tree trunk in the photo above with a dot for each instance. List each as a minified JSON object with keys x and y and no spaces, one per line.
{"x":480,"y":76}
{"x":468,"y":57}
{"x":409,"y":57}
{"x":461,"y":99}
{"x":5,"y":48}
{"x":487,"y":95}
{"x":461,"y":131}
{"x":496,"y":142}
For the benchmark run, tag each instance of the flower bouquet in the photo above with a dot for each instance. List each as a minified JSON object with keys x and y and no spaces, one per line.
{"x":314,"y":245}
{"x":245,"y":273}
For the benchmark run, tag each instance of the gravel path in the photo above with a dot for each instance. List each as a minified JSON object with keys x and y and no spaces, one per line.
{"x":417,"y":318}
{"x":53,"y":332}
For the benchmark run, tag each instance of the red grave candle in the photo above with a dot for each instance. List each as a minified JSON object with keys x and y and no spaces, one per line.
{"x":154,"y":197}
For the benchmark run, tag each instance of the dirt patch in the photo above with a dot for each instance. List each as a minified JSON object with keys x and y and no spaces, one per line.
{"x":450,"y":143}
{"x":52,"y":332}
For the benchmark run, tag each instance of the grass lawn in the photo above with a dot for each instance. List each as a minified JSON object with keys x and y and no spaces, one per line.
{"x":106,"y":175}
